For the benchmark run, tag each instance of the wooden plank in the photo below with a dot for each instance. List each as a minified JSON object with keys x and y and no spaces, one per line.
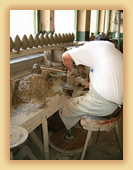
{"x":53,"y":69}
{"x":34,"y":50}
{"x":32,"y":120}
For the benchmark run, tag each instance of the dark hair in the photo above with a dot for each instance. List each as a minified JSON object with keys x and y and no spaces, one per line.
{"x":102,"y":37}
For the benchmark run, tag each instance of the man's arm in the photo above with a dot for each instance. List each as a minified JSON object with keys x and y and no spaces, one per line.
{"x":67,"y":61}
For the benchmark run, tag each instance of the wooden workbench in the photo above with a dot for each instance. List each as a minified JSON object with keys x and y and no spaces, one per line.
{"x":30,"y":121}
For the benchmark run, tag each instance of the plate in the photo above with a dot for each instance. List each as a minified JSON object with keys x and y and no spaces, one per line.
{"x":18,"y":135}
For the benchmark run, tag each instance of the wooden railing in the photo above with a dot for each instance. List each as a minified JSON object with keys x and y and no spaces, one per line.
{"x":38,"y":43}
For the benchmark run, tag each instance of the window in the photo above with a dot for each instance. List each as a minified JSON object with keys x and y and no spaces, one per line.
{"x":94,"y":21}
{"x":64,"y":21}
{"x":23,"y":22}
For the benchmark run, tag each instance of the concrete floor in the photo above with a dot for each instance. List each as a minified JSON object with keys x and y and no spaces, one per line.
{"x":105,"y":148}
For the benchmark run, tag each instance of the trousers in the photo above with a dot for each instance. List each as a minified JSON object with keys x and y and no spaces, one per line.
{"x":89,"y":104}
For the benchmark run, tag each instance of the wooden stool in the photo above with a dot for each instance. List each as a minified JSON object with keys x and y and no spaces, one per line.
{"x":104,"y":123}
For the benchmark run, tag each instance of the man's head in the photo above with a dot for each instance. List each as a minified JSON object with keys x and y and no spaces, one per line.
{"x":102,"y":37}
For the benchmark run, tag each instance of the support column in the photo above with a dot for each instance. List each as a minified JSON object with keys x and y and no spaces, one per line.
{"x":47,"y":20}
{"x":107,"y":21}
{"x":101,"y":20}
{"x":75,"y":23}
{"x":88,"y":21}
{"x":97,"y":22}
{"x":118,"y":13}
{"x":52,"y":21}
{"x":83,"y":25}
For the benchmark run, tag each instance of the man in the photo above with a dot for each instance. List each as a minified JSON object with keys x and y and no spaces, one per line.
{"x":106,"y":80}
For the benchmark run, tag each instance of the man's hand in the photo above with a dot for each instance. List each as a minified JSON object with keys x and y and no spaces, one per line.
{"x":73,"y":72}
{"x":82,"y":81}
{"x":87,"y":85}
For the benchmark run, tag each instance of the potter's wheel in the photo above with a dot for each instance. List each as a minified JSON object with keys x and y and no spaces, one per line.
{"x":68,"y":87}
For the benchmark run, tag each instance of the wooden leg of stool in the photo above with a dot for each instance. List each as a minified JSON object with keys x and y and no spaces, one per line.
{"x":86,"y":144}
{"x":117,"y":131}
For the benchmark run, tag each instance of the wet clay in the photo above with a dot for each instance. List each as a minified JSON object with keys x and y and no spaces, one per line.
{"x":32,"y":92}
{"x":71,"y":80}
{"x":32,"y":89}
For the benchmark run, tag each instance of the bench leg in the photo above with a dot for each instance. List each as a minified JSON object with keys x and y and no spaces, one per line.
{"x":45,"y":139}
{"x":86,"y":144}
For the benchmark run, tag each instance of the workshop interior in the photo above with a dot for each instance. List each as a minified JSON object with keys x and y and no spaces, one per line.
{"x":39,"y":86}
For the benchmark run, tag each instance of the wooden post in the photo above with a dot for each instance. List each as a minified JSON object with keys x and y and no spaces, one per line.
{"x":86,"y":144}
{"x":45,"y":139}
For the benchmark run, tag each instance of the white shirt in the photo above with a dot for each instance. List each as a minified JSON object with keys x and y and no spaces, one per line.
{"x":107,"y":64}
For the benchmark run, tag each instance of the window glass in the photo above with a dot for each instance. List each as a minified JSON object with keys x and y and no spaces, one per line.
{"x":22,"y":22}
{"x":94,"y":22}
{"x":64,"y":21}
